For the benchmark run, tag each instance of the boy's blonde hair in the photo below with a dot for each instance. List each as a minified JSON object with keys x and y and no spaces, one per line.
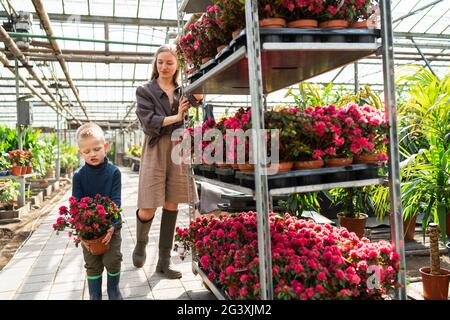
{"x":88,"y":130}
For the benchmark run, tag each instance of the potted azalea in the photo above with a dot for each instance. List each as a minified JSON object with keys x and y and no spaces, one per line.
{"x":302,"y":14}
{"x":230,"y":16}
{"x":365,"y":14}
{"x":216,"y":27}
{"x":18,"y":162}
{"x":89,"y":220}
{"x":271,"y":14}
{"x":335,"y":14}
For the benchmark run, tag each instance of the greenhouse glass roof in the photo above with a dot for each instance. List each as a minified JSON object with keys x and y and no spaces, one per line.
{"x":106,"y":75}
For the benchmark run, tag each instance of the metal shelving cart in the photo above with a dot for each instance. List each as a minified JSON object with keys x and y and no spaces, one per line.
{"x":274,"y":65}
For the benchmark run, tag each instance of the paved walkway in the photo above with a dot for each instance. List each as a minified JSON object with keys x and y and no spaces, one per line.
{"x":49,"y":266}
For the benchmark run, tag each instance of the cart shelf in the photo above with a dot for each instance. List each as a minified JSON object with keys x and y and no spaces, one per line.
{"x":284,"y":63}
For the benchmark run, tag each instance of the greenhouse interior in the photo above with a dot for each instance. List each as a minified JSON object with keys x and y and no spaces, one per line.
{"x":224,"y":150}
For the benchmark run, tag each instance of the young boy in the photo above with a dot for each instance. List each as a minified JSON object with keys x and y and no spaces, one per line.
{"x":98,"y":176}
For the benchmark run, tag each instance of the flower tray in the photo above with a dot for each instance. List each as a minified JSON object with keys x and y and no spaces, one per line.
{"x":209,"y":171}
{"x":310,"y":35}
{"x":222,"y":55}
{"x":195,"y":75}
{"x":313,"y":176}
{"x":246,"y":201}
{"x":225,"y":175}
{"x":208,"y":66}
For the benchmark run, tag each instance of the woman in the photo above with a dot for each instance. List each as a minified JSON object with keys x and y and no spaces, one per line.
{"x":160,"y":109}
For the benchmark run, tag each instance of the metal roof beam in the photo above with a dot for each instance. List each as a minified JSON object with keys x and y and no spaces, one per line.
{"x":109,"y":19}
{"x":15,"y":51}
{"x":49,"y":31}
{"x":416,"y":11}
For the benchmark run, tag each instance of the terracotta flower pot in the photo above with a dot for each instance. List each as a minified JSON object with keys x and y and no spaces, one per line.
{"x":313,"y":164}
{"x":303,"y":23}
{"x":367,"y":158}
{"x":29,"y":170}
{"x":281,"y":167}
{"x":272,"y":23}
{"x":223,"y":165}
{"x":24,"y":170}
{"x":16,"y":171}
{"x":246,"y":167}
{"x":365,"y":24}
{"x":206,"y":59}
{"x":409,"y":228}
{"x":334,"y":24}
{"x":339,"y":162}
{"x":356,"y":225}
{"x":435,"y":287}
{"x":235,"y":166}
{"x":220,"y":48}
{"x":96,"y":247}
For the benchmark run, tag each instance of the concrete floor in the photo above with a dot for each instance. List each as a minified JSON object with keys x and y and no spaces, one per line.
{"x":50,"y":267}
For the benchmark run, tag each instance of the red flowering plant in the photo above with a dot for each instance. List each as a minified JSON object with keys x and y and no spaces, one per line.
{"x":302,"y":9}
{"x":89,"y":218}
{"x":240,"y":121}
{"x":337,"y":9}
{"x":309,"y":261}
{"x":216,"y":27}
{"x":373,"y":130}
{"x":17,"y":158}
{"x":186,"y":51}
{"x":230,"y":15}
{"x":270,"y":9}
{"x":363,"y":9}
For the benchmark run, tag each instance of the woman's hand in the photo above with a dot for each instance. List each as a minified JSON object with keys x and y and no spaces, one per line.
{"x":183,"y":106}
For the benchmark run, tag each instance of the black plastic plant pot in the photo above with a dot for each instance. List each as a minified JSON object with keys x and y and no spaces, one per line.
{"x":339,"y":176}
{"x":304,"y":38}
{"x":366,"y":39}
{"x":309,"y":180}
{"x":336,"y":38}
{"x":271,"y":38}
{"x":209,"y":171}
{"x":275,"y":182}
{"x":370,"y":173}
{"x":197,"y":170}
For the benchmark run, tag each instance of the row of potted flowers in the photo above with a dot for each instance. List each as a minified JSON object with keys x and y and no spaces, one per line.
{"x":21,"y":162}
{"x":223,"y":21}
{"x":309,"y":138}
{"x":309,"y":261}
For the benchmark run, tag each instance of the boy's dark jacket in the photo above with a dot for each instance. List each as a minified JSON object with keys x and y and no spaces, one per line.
{"x":104,"y":179}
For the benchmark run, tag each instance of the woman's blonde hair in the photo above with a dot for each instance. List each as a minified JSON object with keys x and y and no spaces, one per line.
{"x":164,"y":48}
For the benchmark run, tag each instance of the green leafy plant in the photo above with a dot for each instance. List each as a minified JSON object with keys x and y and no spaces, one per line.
{"x":9,"y":193}
{"x":355,"y":201}
{"x":299,"y":202}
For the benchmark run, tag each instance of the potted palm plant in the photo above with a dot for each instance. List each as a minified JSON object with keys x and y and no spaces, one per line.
{"x":434,"y":278}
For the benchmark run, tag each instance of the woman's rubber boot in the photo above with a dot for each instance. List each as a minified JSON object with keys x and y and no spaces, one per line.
{"x":142,"y":229}
{"x":95,"y":287}
{"x":166,"y":234}
{"x":113,"y":286}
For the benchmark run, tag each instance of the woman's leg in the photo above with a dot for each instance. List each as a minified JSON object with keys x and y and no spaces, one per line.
{"x":168,"y":223}
{"x":144,"y":218}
